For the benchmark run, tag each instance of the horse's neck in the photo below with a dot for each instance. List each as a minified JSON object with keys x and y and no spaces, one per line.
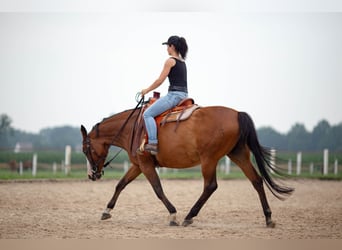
{"x":116,"y":130}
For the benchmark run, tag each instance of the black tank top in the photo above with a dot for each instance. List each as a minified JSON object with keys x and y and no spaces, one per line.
{"x":178,"y":74}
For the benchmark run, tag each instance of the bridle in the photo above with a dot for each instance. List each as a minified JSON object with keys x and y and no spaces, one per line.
{"x":90,"y":150}
{"x":89,"y":153}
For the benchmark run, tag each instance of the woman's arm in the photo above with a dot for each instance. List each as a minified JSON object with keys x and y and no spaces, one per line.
{"x":165,"y":72}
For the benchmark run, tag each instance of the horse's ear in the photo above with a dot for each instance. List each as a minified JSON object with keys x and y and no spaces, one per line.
{"x":83,"y":131}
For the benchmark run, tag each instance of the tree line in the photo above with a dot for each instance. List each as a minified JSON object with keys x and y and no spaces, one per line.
{"x":298,"y":138}
{"x":49,"y":138}
{"x":323,"y":136}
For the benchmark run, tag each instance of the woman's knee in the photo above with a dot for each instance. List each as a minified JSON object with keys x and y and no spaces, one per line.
{"x":148,"y":114}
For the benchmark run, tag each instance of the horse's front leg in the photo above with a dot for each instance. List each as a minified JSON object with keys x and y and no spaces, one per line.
{"x":154,"y":180}
{"x":132,"y":173}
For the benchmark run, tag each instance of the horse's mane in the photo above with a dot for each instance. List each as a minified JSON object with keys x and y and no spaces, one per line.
{"x":96,"y":126}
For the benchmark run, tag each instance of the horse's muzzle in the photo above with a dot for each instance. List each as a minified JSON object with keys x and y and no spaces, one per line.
{"x":95,"y":176}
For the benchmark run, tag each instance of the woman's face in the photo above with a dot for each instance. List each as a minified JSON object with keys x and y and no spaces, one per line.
{"x":170,"y":49}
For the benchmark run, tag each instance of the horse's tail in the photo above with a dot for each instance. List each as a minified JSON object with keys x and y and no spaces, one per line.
{"x":262,"y":156}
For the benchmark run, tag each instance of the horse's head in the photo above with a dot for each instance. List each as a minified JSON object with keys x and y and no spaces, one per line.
{"x":96,"y":153}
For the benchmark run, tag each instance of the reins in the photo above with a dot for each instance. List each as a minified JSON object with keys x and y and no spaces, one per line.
{"x":140,"y":102}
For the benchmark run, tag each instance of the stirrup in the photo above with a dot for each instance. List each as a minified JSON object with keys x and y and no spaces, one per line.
{"x":151,"y":148}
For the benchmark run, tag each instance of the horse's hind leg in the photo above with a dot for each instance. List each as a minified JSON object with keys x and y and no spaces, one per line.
{"x":242,"y":159}
{"x":132,"y":173}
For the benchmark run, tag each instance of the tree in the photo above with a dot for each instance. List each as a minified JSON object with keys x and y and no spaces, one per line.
{"x":5,"y":123}
{"x":298,"y":138}
{"x":5,"y":130}
{"x":336,"y":137}
{"x":271,"y":138}
{"x":58,"y":137}
{"x":320,"y":137}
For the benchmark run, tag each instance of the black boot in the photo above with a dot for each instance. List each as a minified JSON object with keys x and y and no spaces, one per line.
{"x":151,"y":148}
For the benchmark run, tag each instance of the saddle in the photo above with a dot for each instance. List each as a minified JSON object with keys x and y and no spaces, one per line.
{"x":182,"y":111}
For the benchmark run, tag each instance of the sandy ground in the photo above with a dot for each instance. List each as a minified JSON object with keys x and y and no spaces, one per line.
{"x":72,"y":210}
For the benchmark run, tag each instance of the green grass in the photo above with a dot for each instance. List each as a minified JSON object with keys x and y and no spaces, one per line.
{"x":9,"y":175}
{"x":49,"y":157}
{"x":183,"y":174}
{"x":337,"y":177}
{"x":108,"y":174}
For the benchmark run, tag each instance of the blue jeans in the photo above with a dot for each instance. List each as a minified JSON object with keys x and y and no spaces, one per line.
{"x":162,"y":104}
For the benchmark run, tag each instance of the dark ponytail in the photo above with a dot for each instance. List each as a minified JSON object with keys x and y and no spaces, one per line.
{"x":182,"y":47}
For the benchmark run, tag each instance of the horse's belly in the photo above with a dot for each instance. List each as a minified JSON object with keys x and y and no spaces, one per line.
{"x":178,"y":160}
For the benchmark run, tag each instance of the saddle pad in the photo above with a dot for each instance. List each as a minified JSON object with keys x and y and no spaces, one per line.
{"x":179,"y":115}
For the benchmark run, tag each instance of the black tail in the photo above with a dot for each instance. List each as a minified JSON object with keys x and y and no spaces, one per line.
{"x":262,"y":156}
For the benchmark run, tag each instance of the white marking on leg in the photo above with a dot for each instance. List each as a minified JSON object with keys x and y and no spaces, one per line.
{"x":173,"y":218}
{"x":107,"y":210}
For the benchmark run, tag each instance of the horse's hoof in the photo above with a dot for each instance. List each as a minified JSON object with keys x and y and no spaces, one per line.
{"x":187,"y":222}
{"x":173,"y":220}
{"x":174,"y":224}
{"x":106,"y":216}
{"x":271,"y":224}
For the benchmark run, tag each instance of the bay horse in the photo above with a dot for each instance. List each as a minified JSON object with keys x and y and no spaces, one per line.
{"x":208,"y":135}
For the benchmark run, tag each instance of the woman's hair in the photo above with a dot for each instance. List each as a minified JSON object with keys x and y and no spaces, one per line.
{"x":180,"y":45}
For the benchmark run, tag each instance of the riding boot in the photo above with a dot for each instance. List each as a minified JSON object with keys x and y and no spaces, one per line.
{"x":151,"y":148}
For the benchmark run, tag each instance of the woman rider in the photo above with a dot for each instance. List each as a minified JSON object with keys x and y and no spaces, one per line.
{"x":175,"y":70}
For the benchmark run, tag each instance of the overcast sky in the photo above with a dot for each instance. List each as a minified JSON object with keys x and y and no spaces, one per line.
{"x":77,"y":65}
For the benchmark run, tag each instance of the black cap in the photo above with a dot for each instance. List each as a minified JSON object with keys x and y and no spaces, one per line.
{"x":172,"y":40}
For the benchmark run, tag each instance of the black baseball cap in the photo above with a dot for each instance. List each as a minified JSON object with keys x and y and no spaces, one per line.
{"x":172,"y":40}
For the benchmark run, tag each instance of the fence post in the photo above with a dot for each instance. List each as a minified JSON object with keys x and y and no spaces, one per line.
{"x":325,"y":161}
{"x":125,"y":166}
{"x":299,"y":163}
{"x":336,"y":167}
{"x":67,"y":159}
{"x":227,"y":165}
{"x":34,"y":165}
{"x":21,"y":168}
{"x":289,"y":166}
{"x":311,"y":168}
{"x":54,"y":168}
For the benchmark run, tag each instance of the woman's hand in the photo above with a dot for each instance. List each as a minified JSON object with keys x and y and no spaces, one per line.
{"x":144,"y":92}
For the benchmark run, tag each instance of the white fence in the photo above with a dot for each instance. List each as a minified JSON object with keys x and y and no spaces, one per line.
{"x":65,"y":166}
{"x":224,"y":167}
{"x":325,"y":170}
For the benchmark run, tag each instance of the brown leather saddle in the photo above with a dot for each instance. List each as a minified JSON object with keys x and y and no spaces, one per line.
{"x":181,"y":112}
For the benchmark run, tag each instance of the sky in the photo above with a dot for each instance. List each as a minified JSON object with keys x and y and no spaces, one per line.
{"x":72,"y":64}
